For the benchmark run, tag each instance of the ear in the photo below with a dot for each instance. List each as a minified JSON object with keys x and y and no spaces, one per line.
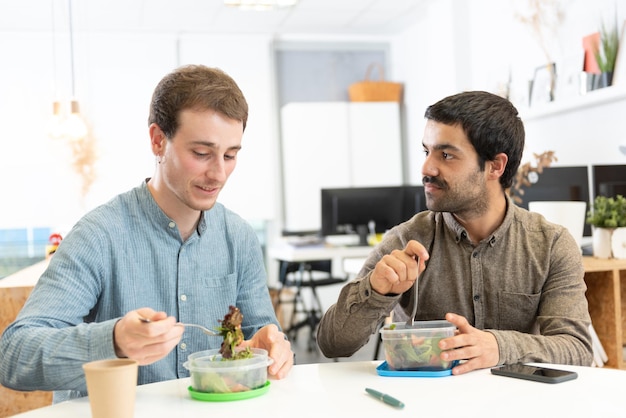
{"x":497,"y":165}
{"x":157,"y":139}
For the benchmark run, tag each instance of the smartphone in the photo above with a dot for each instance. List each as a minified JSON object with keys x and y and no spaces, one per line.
{"x":538,"y":374}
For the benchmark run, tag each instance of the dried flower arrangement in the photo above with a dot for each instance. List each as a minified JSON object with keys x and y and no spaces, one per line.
{"x":527,"y":174}
{"x":543,"y":19}
{"x":85,"y":155}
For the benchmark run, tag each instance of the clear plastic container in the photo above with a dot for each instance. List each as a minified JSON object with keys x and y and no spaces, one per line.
{"x":211,"y":374}
{"x":417,"y":347}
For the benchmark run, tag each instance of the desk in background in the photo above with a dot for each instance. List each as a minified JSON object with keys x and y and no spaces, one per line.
{"x":335,"y":389}
{"x":291,"y":253}
{"x":295,"y":311}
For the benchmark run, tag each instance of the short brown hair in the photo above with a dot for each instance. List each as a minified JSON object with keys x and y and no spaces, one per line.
{"x":195,"y":87}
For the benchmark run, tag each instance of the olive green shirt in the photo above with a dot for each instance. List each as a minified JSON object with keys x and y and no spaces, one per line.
{"x":524,"y":284}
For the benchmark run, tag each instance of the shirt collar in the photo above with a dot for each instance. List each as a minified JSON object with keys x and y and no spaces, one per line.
{"x":461,"y":234}
{"x":158,"y":216}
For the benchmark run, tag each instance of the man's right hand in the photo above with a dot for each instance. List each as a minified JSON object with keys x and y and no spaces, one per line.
{"x":396,"y":272}
{"x":146,"y":342}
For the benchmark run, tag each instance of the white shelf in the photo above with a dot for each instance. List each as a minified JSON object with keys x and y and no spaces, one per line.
{"x":593,"y":98}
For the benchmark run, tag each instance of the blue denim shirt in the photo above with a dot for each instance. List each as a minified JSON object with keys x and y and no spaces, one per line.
{"x":124,"y":255}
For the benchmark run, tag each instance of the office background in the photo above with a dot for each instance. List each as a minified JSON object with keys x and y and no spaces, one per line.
{"x":441,"y":48}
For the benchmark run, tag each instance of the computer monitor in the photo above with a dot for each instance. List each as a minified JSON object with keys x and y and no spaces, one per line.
{"x":609,"y":180}
{"x":560,"y":184}
{"x":345,"y":209}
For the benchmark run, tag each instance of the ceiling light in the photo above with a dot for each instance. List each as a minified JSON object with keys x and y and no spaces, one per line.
{"x":76,"y":128}
{"x":72,"y":127}
{"x":260,"y":5}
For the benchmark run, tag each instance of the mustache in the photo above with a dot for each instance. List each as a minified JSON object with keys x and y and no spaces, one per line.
{"x":434,"y":181}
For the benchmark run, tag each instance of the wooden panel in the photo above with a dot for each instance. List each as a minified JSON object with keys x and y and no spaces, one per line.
{"x":602,"y":293}
{"x":13,"y":402}
{"x":622,"y":280}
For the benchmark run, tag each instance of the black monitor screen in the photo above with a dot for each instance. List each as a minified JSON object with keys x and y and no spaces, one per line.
{"x":344,"y":210}
{"x":609,"y":180}
{"x":560,"y":184}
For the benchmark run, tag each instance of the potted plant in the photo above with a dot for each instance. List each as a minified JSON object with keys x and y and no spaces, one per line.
{"x":606,"y":54}
{"x":606,"y":215}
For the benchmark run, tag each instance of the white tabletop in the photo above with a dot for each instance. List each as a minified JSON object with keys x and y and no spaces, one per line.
{"x":338,"y":389}
{"x":288,"y":252}
{"x":27,"y":277}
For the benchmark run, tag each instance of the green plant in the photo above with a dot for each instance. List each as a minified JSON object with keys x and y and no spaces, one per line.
{"x":608,"y":212}
{"x":606,"y":52}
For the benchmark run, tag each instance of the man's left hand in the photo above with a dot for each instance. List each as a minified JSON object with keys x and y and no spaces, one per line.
{"x":478,"y":348}
{"x":278,"y":348}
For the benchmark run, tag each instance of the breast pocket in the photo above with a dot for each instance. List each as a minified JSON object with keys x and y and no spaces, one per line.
{"x":518,"y":311}
{"x":228,"y":281}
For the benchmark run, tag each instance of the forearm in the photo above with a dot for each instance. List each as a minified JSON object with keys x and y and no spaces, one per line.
{"x":348,"y":324}
{"x":38,"y":358}
{"x":572,"y":348}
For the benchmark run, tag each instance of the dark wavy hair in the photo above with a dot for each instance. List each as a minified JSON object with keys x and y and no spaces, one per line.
{"x":491,"y":123}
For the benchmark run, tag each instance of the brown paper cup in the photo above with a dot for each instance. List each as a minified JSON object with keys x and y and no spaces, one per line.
{"x":111,"y":386}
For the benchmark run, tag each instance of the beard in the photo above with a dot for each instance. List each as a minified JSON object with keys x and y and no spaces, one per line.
{"x":467,"y":197}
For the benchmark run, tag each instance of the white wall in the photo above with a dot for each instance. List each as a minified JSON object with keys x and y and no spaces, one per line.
{"x":471,"y":45}
{"x":115,"y":77}
{"x":455,"y":45}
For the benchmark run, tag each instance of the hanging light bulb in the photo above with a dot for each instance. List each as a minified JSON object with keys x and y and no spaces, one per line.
{"x":56,"y":122}
{"x":74,"y":126}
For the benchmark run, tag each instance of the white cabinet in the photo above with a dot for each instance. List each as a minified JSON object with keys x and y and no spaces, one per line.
{"x":332,"y":145}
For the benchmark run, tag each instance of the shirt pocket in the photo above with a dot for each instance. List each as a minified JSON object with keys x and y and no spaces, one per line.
{"x":227,"y":281}
{"x":518,"y":311}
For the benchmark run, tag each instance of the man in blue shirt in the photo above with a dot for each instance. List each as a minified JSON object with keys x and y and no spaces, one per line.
{"x":165,"y":251}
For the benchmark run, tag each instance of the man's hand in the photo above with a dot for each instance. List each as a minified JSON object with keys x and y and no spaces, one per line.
{"x":396,"y":272}
{"x":279,"y":349}
{"x":146,"y":342}
{"x":479,"y":348}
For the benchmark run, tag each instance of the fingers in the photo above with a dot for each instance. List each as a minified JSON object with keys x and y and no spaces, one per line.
{"x":150,"y":314}
{"x":476,"y":349}
{"x":146,"y":342}
{"x":416,"y":250}
{"x":396,"y":272}
{"x":279,"y":349}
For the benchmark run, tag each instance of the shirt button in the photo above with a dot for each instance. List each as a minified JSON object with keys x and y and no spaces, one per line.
{"x":367,"y":293}
{"x":183,"y":297}
{"x":183,"y":346}
{"x":172,"y":224}
{"x":475,"y":254}
{"x":476,"y":298}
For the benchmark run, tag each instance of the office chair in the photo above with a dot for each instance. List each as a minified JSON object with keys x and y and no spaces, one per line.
{"x":299,"y":276}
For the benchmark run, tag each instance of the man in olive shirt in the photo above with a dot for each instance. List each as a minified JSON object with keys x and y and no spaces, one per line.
{"x":510,"y":281}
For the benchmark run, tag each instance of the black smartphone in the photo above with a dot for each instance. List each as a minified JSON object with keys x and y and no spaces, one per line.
{"x":536,"y":373}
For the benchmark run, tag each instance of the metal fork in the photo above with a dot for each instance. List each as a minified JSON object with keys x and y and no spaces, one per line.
{"x":409,"y":322}
{"x":204,"y":329}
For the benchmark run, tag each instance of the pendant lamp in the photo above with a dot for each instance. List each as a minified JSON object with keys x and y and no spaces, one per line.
{"x":71,"y":127}
{"x":75,"y":127}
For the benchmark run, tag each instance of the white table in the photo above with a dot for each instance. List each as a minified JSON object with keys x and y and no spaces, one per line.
{"x":292,"y":253}
{"x":338,"y":389}
{"x":27,"y":277}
